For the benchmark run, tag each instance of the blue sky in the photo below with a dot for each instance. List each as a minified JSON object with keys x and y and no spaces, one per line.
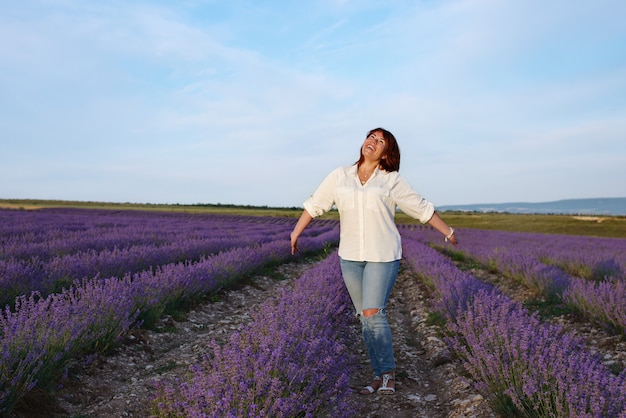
{"x":254,"y":102}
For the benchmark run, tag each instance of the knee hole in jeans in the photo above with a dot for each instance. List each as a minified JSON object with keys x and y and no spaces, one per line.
{"x":366,"y":313}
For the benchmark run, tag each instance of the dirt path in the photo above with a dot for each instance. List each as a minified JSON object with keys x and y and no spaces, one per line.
{"x":429,"y":384}
{"x":122,"y":384}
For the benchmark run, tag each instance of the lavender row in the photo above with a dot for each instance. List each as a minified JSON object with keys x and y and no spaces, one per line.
{"x":293,"y":359}
{"x":108,"y":256}
{"x":19,"y":277}
{"x":538,"y":261}
{"x":47,"y":234}
{"x":538,"y":368}
{"x":580,"y":256}
{"x":602,"y":301}
{"x":41,"y":334}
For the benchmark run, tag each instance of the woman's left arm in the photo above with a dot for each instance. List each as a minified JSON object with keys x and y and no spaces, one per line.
{"x":414,"y":205}
{"x":438,"y":223}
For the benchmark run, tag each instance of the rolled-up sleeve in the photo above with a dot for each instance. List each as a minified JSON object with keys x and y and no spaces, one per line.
{"x":323,"y":199}
{"x":411,"y":202}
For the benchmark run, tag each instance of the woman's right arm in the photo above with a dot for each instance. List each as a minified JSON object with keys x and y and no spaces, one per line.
{"x":303,"y":222}
{"x":321,"y":201}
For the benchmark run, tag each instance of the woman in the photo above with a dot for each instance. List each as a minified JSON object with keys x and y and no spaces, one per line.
{"x":366,"y":195}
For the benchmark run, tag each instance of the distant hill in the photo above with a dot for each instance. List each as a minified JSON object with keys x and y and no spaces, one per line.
{"x":601,"y":206}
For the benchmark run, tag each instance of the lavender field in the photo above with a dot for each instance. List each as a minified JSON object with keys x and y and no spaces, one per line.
{"x":537,"y":368}
{"x":74,"y":282}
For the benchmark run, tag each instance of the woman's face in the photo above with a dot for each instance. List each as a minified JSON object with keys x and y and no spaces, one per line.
{"x":373,"y":148}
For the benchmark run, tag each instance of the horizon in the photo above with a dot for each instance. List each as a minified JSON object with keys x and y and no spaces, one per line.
{"x":187,"y":102}
{"x":2,"y":199}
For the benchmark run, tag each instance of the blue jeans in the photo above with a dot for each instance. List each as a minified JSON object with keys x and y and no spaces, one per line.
{"x":369,"y":285}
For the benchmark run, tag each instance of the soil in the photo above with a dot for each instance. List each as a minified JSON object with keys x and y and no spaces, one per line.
{"x":429,"y":383}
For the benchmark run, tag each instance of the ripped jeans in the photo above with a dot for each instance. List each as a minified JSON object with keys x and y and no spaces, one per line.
{"x":369,"y":285}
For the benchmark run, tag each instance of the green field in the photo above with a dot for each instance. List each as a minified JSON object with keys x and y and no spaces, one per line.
{"x":599,"y":226}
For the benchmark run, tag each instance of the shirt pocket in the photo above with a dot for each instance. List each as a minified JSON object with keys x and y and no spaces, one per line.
{"x":378,"y":199}
{"x":345,"y":198}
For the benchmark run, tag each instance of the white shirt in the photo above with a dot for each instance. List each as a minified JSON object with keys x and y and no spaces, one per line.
{"x":368,"y":230}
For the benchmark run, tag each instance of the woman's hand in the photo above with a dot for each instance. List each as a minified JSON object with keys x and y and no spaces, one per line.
{"x":452,"y":239}
{"x":448,"y":232}
{"x":294,"y":243}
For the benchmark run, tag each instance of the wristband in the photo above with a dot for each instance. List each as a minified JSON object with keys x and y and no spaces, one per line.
{"x":446,"y":239}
